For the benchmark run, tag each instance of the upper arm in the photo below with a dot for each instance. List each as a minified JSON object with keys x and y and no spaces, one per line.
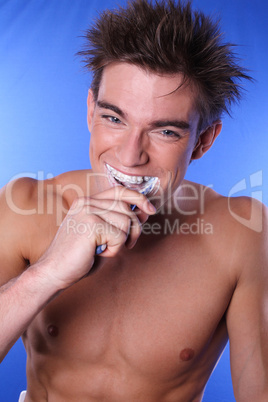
{"x":247,"y":318}
{"x":15,"y":205}
{"x":30,"y":213}
{"x":14,"y":198}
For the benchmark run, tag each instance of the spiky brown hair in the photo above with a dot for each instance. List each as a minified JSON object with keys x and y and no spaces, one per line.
{"x":168,"y":37}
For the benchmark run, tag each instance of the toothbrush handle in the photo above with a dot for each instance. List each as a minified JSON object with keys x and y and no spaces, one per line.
{"x":102,"y":247}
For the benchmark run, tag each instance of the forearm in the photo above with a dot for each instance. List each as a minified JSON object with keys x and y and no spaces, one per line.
{"x":70,"y":256}
{"x":21,"y":299}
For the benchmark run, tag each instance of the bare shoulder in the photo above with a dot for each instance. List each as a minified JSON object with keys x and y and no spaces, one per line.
{"x":30,"y":214}
{"x":15,"y":206}
{"x":73,"y":184}
{"x":240,"y":229}
{"x":244,"y":213}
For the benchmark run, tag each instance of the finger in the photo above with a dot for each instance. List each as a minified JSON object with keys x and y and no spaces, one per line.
{"x":92,"y":218}
{"x":110,"y":241}
{"x":131,"y":197}
{"x":104,"y":206}
{"x":107,"y":205}
{"x":127,"y":222}
{"x":99,"y":220}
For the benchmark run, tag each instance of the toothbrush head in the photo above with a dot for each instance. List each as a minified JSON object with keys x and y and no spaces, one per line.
{"x":147,"y":187}
{"x":151,"y":184}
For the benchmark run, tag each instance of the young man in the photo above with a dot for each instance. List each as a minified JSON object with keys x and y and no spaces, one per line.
{"x":177,"y":274}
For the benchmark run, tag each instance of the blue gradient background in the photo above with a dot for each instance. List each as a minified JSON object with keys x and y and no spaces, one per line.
{"x":43,"y":129}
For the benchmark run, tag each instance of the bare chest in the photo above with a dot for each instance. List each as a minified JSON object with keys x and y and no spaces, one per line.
{"x":156,"y":312}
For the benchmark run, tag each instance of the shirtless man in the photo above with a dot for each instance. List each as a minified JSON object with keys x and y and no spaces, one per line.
{"x":178,"y":274}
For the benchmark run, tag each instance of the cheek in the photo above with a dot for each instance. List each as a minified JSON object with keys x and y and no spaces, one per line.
{"x":177,"y":164}
{"x":187,"y":154}
{"x":96,"y":140}
{"x":179,"y":159}
{"x":101,"y":135}
{"x":100,"y":142}
{"x":93,"y":149}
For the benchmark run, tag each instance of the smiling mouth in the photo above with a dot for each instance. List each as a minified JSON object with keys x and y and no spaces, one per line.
{"x":142,"y":184}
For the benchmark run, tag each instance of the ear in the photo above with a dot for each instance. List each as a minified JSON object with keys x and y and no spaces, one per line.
{"x":206,"y":139}
{"x":90,"y":108}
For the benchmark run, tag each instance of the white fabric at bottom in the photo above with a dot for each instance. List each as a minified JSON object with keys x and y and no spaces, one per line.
{"x":22,"y":396}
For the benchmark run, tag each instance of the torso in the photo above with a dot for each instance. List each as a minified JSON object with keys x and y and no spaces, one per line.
{"x":149,"y":325}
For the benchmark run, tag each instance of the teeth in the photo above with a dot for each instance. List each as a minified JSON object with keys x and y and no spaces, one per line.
{"x":147,"y":183}
{"x":126,"y":178}
{"x":151,"y":185}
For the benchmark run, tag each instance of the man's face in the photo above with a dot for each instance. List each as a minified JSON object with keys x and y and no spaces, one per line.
{"x":142,"y":126}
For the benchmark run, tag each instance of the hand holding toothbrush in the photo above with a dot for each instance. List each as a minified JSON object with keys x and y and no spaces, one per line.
{"x":105,"y":218}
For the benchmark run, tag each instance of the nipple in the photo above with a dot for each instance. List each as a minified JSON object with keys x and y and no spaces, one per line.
{"x":187,"y":354}
{"x":53,"y":330}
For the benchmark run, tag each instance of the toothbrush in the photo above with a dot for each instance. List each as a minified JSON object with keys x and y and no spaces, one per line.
{"x":146,"y":190}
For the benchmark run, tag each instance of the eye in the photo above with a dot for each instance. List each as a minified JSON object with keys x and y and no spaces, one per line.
{"x":112,"y":119}
{"x":170,"y":133}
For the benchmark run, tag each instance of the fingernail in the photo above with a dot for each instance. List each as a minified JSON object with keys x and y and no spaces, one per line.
{"x":152,"y":207}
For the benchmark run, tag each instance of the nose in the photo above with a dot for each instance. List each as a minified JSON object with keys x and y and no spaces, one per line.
{"x":133,"y":149}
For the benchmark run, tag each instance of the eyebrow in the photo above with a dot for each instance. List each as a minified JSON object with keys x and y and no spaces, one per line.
{"x":180,"y":124}
{"x":109,"y":106}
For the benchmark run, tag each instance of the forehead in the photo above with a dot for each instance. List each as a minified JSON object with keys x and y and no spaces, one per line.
{"x":134,"y":88}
